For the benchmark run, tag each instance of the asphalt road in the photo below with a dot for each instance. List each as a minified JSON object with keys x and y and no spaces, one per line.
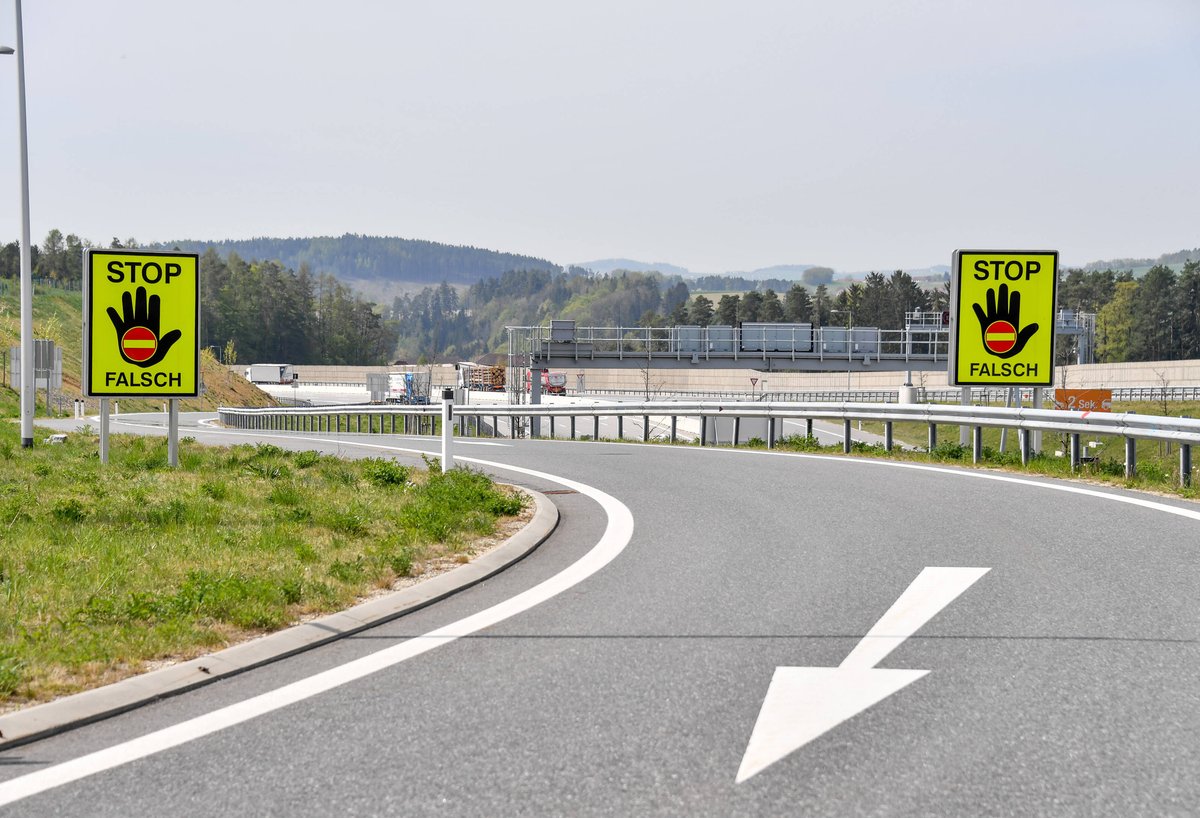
{"x":1064,"y":679}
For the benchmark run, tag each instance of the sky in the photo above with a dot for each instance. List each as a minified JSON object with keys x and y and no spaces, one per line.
{"x":718,"y":136}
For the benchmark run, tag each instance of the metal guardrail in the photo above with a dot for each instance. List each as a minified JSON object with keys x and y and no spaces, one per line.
{"x":1127,"y":393}
{"x":1027,"y":422}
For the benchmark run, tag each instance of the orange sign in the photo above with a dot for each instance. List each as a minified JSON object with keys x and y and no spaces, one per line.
{"x":1083,"y":400}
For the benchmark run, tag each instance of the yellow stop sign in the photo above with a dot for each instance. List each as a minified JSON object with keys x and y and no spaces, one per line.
{"x":141,"y":324}
{"x":1002,"y":306}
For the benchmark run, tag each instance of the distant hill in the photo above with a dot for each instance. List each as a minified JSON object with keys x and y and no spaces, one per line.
{"x":376,"y":258}
{"x":1139,"y":265}
{"x":787,"y":272}
{"x":608,"y":265}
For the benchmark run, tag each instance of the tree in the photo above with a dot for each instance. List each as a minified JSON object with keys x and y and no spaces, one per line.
{"x":905,"y":296}
{"x":1187,"y":297}
{"x":53,"y":261}
{"x":675,"y":296}
{"x":772,"y":308}
{"x":727,"y":309}
{"x":1114,"y":324}
{"x":750,"y":306}
{"x":1153,"y":332}
{"x":821,"y":306}
{"x":817,"y":275}
{"x":871,"y":303}
{"x":797,"y":305}
{"x":939,"y":298}
{"x":701,"y":311}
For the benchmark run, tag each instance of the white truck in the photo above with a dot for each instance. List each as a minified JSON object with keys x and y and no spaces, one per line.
{"x":270,"y":373}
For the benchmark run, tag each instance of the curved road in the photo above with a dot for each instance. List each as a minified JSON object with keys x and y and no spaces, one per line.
{"x":1034,"y":649}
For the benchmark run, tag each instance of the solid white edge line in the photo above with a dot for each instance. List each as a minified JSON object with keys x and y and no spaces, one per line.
{"x":617,"y":535}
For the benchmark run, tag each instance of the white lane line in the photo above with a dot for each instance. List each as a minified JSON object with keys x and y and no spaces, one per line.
{"x":616,"y":536}
{"x":966,"y":472}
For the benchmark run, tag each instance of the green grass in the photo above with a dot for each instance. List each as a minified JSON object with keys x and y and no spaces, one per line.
{"x":107,"y":568}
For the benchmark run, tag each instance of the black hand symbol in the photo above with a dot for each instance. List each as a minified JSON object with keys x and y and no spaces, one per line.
{"x":1005,"y":311}
{"x":144,"y":315}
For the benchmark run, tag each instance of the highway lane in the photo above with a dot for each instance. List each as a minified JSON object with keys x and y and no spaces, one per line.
{"x":1062,"y":681}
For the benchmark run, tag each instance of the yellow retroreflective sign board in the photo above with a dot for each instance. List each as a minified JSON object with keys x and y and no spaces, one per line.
{"x":141,"y":324}
{"x":1002,"y":318}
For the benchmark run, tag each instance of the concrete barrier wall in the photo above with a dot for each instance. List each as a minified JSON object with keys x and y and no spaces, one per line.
{"x":1163,"y":373}
{"x":443,"y":374}
{"x":1112,"y":376}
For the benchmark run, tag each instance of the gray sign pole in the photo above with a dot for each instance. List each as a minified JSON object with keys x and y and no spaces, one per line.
{"x":173,"y":433}
{"x":104,"y":430}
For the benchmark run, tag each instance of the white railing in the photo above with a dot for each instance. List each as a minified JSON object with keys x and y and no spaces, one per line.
{"x":1026,"y":422}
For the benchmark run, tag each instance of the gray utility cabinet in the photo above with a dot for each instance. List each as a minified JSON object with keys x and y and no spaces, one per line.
{"x":764,"y":337}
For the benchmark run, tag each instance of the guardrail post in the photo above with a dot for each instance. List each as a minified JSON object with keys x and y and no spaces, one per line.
{"x":595,"y":427}
{"x":737,"y":431}
{"x":645,"y":428}
{"x":932,"y":436}
{"x":620,"y":427}
{"x":703,"y":428}
{"x":1023,"y":440}
{"x":495,"y":426}
{"x":552,"y":419}
{"x":1130,"y":458}
{"x":976,"y":444}
{"x":674,"y":428}
{"x":847,"y":441}
{"x":808,"y":430}
{"x":1185,"y":464}
{"x":572,"y":427}
{"x":1074,"y":453}
{"x":771,"y":429}
{"x":888,"y":443}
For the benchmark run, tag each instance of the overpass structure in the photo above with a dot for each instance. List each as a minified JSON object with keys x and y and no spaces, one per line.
{"x":923,"y":344}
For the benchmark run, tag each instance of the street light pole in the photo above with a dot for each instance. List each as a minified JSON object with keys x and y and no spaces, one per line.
{"x":27,"y":381}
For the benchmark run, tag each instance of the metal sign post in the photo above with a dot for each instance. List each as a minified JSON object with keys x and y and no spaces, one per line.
{"x":104,"y":430}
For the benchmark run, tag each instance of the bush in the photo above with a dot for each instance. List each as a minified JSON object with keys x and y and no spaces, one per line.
{"x":68,"y":510}
{"x":306,"y":459}
{"x":950,"y":451}
{"x":384,"y":473}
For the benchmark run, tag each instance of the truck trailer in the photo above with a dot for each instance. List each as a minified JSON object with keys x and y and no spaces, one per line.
{"x":270,"y":373}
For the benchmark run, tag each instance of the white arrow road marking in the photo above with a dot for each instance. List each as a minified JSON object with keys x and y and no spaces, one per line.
{"x":803,"y":703}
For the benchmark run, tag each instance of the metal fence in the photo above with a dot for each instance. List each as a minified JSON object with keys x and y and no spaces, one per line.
{"x":474,"y":420}
{"x":1147,"y":394}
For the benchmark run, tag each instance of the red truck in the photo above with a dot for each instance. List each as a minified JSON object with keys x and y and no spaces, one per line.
{"x":553,"y":383}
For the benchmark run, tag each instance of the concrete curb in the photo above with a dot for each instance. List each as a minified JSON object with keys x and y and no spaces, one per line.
{"x":40,"y":721}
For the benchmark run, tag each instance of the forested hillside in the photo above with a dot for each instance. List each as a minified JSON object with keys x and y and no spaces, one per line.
{"x":263,"y":311}
{"x":437,"y":323}
{"x":353,"y":257}
{"x":270,"y":310}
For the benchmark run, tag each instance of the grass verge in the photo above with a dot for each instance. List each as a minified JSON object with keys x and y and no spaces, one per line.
{"x":105,"y":571}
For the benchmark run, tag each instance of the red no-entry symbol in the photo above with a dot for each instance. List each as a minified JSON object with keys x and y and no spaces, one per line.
{"x":138,"y":343}
{"x":999,"y":337}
